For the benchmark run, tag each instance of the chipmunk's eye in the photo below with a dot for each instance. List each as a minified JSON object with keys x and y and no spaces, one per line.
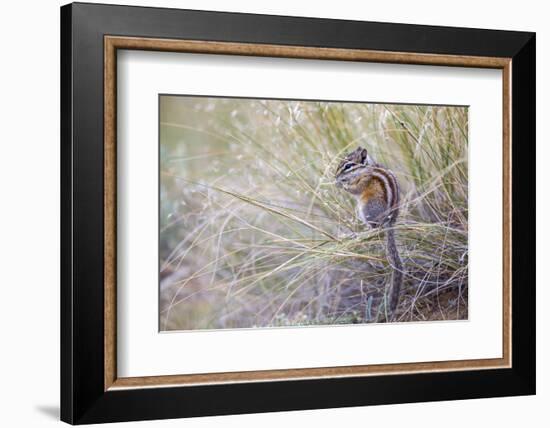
{"x":347,"y":166}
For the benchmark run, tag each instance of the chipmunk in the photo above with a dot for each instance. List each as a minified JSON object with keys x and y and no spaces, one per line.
{"x":376,"y":191}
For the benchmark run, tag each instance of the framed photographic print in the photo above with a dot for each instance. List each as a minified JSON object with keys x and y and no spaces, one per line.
{"x":265,"y":213}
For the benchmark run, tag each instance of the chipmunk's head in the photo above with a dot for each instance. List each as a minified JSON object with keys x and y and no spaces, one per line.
{"x":354,"y":166}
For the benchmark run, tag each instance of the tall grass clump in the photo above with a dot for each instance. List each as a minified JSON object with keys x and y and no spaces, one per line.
{"x":254,"y":233}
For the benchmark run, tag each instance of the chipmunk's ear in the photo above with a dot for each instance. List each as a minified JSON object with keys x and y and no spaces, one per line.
{"x":363,"y":155}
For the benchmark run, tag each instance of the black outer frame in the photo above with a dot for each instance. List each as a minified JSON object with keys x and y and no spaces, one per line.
{"x":83,"y":399}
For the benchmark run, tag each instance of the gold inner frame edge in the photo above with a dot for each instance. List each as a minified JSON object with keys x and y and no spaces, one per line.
{"x":113,"y":43}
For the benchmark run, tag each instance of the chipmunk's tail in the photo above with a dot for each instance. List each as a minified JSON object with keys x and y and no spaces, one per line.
{"x":397,"y":265}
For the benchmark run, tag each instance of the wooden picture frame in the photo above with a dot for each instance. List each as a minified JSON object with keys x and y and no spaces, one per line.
{"x":91,"y":391}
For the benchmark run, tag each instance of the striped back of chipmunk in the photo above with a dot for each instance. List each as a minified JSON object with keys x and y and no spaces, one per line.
{"x":390,"y":187}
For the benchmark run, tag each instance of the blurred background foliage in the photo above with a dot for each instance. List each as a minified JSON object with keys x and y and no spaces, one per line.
{"x":254,"y":233}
